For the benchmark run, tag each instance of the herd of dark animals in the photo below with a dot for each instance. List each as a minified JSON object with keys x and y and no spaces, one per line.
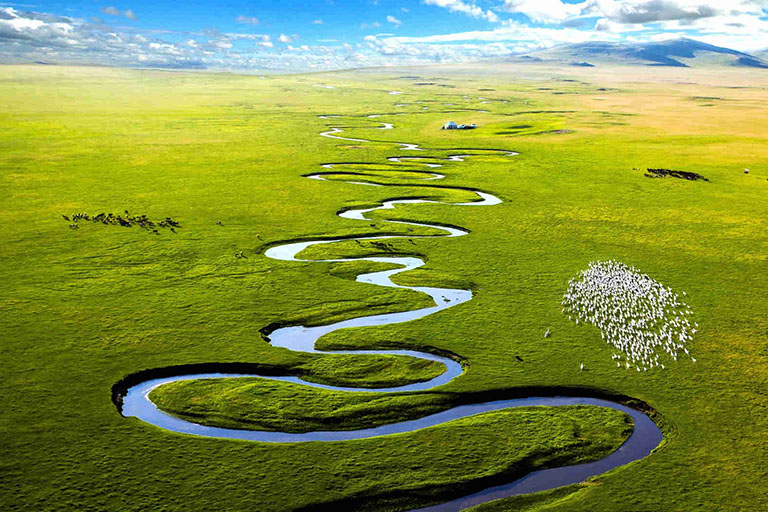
{"x":683,"y":175}
{"x":126,"y":221}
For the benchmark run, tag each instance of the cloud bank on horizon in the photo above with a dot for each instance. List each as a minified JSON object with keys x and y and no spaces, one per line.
{"x":324,"y":35}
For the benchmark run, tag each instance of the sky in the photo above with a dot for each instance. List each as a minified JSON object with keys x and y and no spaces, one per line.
{"x":296,"y":36}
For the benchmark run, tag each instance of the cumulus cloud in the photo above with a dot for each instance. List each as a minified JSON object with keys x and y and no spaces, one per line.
{"x":34,"y":36}
{"x":247,"y":20}
{"x":114,"y":11}
{"x":632,"y":11}
{"x":545,"y":11}
{"x":466,"y":8}
{"x":650,"y":11}
{"x":396,"y":22}
{"x":523,"y":36}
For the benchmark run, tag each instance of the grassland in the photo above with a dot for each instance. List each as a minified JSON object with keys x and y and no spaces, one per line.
{"x":83,"y":308}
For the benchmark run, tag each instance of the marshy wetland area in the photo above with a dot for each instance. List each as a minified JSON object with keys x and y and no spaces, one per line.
{"x":297,"y":293}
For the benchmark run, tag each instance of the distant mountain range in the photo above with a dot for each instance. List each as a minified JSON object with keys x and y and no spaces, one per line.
{"x":678,"y":53}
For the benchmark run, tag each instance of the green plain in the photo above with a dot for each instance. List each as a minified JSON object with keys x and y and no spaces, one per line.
{"x":81,"y":309}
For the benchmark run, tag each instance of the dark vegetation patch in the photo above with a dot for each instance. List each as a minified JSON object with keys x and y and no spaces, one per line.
{"x":683,"y":175}
{"x":515,"y":130}
{"x":126,"y":221}
{"x":620,"y":114}
{"x":425,"y":83}
{"x":524,"y":112}
{"x":707,"y":98}
{"x":485,"y":90}
{"x":554,"y":132}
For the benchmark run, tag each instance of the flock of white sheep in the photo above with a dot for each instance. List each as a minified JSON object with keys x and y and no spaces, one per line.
{"x":639,"y":316}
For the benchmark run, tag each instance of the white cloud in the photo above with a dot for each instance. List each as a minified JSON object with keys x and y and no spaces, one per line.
{"x":247,"y":20}
{"x":253,"y":37}
{"x":114,"y":11}
{"x":466,"y":8}
{"x":632,"y":11}
{"x":545,"y":11}
{"x":317,"y":22}
{"x":30,"y":36}
{"x":513,"y":33}
{"x":396,"y":22}
{"x":650,"y":11}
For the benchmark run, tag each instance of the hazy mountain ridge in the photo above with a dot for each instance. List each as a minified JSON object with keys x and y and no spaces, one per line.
{"x":675,"y":53}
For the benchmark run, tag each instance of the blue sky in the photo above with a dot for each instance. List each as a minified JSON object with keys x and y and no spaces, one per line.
{"x":292,"y":35}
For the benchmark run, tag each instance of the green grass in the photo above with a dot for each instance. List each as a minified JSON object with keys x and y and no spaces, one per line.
{"x":81,"y":309}
{"x":260,"y":404}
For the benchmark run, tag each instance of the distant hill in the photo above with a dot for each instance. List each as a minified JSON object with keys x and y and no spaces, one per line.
{"x":677,"y":53}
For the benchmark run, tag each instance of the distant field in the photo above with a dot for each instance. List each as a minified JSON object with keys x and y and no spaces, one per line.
{"x":224,"y":156}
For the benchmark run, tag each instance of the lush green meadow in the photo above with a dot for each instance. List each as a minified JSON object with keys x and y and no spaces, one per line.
{"x":225,"y":154}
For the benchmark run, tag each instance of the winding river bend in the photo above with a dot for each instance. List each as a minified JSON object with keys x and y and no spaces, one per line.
{"x":134,"y":401}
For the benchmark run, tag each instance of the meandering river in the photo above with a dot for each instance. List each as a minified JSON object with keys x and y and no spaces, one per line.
{"x":645,"y":437}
